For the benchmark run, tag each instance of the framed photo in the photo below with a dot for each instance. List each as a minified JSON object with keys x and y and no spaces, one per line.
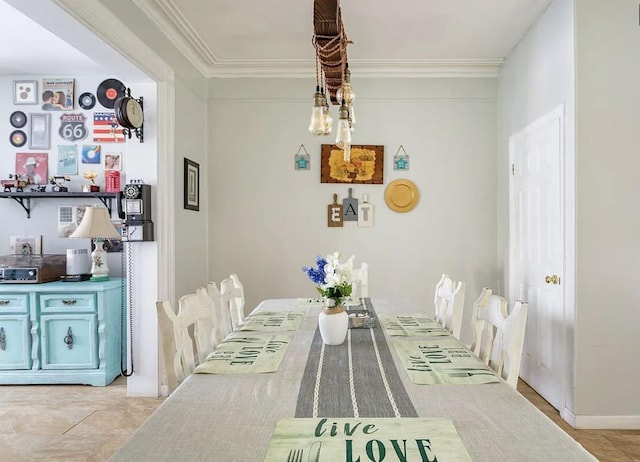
{"x":191,"y":185}
{"x":32,"y":167}
{"x":25,"y":244}
{"x":365,"y":166}
{"x":40,"y":131}
{"x":67,"y":159}
{"x":57,"y":94}
{"x":25,"y":92}
{"x":112,"y":161}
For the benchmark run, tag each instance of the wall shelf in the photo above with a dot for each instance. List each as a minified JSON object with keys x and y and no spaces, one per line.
{"x":24,"y":198}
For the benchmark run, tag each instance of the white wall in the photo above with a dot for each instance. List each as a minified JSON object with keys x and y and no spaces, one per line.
{"x":607,"y":146}
{"x":537,"y":77}
{"x":268,"y":220}
{"x":190,"y":140}
{"x":184,"y":240}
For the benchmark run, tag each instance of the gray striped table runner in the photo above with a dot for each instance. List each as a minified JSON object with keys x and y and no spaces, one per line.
{"x":355,"y":379}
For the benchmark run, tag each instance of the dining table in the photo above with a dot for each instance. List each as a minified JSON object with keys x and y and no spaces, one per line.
{"x":361,"y":401}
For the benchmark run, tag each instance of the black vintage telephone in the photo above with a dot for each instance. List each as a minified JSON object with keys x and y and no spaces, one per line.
{"x":134,"y":206}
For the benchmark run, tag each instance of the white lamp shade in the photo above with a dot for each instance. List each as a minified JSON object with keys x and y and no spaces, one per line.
{"x":96,"y":223}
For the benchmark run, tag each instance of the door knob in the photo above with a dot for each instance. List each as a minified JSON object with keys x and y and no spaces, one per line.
{"x":552,"y":279}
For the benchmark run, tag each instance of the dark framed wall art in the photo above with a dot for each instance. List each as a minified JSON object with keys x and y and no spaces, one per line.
{"x":365,"y":166}
{"x":191,"y":185}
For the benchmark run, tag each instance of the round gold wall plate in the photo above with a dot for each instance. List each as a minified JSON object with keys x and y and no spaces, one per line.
{"x":401,"y":195}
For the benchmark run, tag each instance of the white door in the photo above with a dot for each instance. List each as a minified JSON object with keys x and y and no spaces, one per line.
{"x":537,"y":251}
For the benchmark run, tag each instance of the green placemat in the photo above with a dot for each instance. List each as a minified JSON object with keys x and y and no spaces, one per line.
{"x":411,"y":325}
{"x":442,"y":360}
{"x":246,"y":354}
{"x":273,"y":320}
{"x":366,"y":439}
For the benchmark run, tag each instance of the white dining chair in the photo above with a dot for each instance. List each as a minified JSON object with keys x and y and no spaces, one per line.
{"x":220,"y":314}
{"x":185,"y":336}
{"x":172,"y":370}
{"x":449,"y":304}
{"x":232,"y":292}
{"x":499,"y":335}
{"x":360,"y":282}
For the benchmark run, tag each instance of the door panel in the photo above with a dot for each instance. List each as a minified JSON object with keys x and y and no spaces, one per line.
{"x":537,"y":237}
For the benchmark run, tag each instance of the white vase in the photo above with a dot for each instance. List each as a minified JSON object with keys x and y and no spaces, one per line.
{"x":333,"y":322}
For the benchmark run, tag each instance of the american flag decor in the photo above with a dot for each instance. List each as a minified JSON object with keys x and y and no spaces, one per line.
{"x":106,"y":128}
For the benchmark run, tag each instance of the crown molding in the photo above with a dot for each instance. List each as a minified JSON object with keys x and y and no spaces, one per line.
{"x":361,"y":68}
{"x":167,"y":16}
{"x":99,"y":20}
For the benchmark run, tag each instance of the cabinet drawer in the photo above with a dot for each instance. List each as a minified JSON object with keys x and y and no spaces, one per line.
{"x":14,"y":303}
{"x":67,"y":303}
{"x":15,"y":342}
{"x":69,"y":341}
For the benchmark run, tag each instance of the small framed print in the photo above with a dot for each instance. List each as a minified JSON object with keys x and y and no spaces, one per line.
{"x":112,"y":161}
{"x":191,"y":185}
{"x":25,"y":92}
{"x":40,"y":131}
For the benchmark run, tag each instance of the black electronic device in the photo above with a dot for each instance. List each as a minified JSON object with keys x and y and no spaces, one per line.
{"x":134,"y":206}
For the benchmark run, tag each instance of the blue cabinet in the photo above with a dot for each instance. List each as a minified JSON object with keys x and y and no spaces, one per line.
{"x":61,"y":332}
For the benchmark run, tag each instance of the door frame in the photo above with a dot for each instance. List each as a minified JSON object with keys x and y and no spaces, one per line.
{"x":567,"y":213}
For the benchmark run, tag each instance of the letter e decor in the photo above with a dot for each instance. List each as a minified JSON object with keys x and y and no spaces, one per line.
{"x":334,"y":214}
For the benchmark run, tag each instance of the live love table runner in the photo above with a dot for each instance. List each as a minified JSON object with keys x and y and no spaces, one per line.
{"x":355,"y":379}
{"x":442,"y":360}
{"x":367,"y":439}
{"x":273,"y":320}
{"x":411,"y":325}
{"x":246,"y":354}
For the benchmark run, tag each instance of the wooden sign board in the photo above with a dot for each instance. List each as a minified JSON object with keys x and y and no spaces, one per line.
{"x":365,"y":213}
{"x":334,"y":214}
{"x":365,"y":166}
{"x":350,"y":207}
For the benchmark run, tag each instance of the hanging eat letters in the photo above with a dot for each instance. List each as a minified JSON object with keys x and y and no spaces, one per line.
{"x":365,"y":212}
{"x":334,"y":214}
{"x":350,"y":207}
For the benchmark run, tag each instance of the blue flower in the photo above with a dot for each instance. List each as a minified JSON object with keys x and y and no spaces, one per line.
{"x":332,"y":278}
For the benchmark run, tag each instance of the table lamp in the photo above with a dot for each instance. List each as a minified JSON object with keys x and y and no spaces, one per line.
{"x":96,"y":224}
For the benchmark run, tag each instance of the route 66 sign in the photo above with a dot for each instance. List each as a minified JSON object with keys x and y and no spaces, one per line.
{"x":72,"y":127}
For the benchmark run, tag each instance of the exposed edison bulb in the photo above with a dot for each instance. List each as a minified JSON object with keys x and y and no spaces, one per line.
{"x":326,"y":113}
{"x":345,"y":93}
{"x":317,"y":122}
{"x":343,"y":137}
{"x":352,"y":118}
{"x":328,"y":120}
{"x":346,"y":153}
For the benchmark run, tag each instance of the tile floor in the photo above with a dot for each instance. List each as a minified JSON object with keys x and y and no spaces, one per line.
{"x":68,"y":423}
{"x":75,"y":423}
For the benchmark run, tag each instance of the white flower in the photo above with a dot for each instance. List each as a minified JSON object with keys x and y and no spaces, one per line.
{"x":338,"y":277}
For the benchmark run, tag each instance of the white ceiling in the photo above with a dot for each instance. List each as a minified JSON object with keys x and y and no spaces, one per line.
{"x":239,"y":37}
{"x":29,"y":48}
{"x":273,"y":37}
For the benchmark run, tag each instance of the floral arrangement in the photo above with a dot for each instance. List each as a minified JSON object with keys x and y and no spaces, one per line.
{"x":332,"y":278}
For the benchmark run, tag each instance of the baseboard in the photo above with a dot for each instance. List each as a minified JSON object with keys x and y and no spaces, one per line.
{"x":602,"y":422}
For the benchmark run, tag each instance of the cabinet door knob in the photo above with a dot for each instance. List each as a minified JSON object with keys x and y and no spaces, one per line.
{"x":4,"y":302}
{"x":3,"y":339}
{"x":68,"y":339}
{"x":69,"y":302}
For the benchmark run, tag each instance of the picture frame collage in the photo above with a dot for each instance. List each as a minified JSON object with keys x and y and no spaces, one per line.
{"x":48,"y":124}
